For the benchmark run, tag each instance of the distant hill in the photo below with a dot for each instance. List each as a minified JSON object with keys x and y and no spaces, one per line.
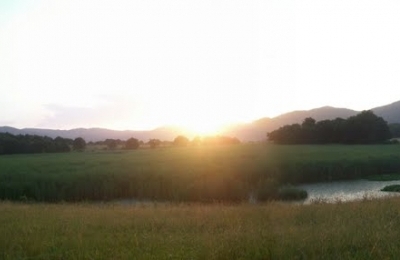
{"x":391,"y":112}
{"x":98,"y":134}
{"x":254,"y":131}
{"x":257,"y":130}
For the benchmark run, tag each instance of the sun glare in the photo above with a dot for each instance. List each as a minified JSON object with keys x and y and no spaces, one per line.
{"x":201,"y":128}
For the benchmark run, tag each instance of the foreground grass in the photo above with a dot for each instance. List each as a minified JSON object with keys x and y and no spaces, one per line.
{"x":357,"y":230}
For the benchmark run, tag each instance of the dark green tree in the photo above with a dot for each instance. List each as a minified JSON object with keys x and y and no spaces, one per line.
{"x":339,"y":130}
{"x":288,"y":134}
{"x":364,"y":128}
{"x":181,"y":140}
{"x":9,"y":144}
{"x":395,"y":130}
{"x":132,"y":143}
{"x":154,"y":143}
{"x":111,"y":143}
{"x":308,"y":130}
{"x":17,"y":144}
{"x":219,"y":140}
{"x":61,"y":144}
{"x":79,"y":144}
{"x":324,"y":132}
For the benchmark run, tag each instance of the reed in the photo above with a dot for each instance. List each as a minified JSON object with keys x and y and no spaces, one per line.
{"x":202,"y":174}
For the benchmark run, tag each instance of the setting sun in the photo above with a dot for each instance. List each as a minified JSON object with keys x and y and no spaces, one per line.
{"x":200,"y":123}
{"x":203,"y":128}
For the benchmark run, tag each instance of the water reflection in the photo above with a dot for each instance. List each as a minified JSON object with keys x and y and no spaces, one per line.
{"x":346,"y":191}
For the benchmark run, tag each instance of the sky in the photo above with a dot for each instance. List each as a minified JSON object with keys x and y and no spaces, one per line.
{"x":201,"y":65}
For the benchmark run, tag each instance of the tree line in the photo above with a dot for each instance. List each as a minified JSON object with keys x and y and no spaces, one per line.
{"x":15,"y":144}
{"x":207,"y":140}
{"x":363,"y":128}
{"x":26,"y":144}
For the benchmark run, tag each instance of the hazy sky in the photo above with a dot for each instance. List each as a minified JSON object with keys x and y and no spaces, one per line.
{"x":200,"y":64}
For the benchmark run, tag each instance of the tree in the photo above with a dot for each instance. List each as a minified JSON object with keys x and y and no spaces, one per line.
{"x":395,"y":130}
{"x":220,"y":140}
{"x":79,"y":144}
{"x":181,"y":140}
{"x":366,"y":128}
{"x":36,"y":144}
{"x":309,"y":122}
{"x":339,"y":130}
{"x":9,"y":144}
{"x":324,"y":132}
{"x":197,"y":140}
{"x":61,"y":144}
{"x":308,"y":131}
{"x":111,"y":143}
{"x":132,"y":143}
{"x":363,"y":128}
{"x":288,"y":134}
{"x":17,"y":144}
{"x":154,"y":143}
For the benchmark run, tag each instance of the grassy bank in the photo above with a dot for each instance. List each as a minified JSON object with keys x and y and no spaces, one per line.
{"x":357,"y":230}
{"x":214,"y":173}
{"x":384,"y":177}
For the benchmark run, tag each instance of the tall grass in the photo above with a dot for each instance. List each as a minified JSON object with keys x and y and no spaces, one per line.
{"x":215,"y":173}
{"x":357,"y":230}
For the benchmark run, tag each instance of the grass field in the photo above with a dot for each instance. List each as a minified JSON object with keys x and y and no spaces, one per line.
{"x":152,"y":230}
{"x":357,"y":230}
{"x":214,"y":173}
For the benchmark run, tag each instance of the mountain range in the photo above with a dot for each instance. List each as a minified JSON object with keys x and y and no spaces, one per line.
{"x":254,"y":131}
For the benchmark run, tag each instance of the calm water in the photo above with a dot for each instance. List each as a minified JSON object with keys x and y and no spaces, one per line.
{"x":346,"y":190}
{"x":331,"y":192}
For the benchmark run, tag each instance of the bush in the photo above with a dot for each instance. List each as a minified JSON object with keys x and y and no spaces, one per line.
{"x":291,"y":193}
{"x":384,"y":177}
{"x":392,"y":188}
{"x":267,"y":190}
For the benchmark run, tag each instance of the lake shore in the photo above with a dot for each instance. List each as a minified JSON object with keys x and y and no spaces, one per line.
{"x":345,"y":191}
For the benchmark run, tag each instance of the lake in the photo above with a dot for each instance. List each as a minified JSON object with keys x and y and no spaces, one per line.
{"x":343,"y":191}
{"x":330,"y":192}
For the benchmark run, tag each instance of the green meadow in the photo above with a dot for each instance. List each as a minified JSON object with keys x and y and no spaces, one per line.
{"x":192,"y":174}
